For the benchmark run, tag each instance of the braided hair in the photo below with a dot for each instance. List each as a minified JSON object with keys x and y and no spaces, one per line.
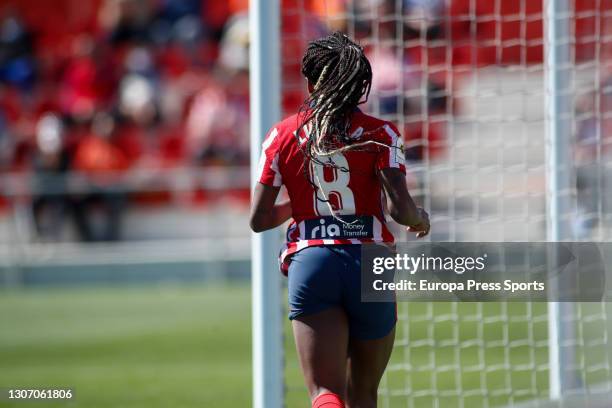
{"x":340,"y":75}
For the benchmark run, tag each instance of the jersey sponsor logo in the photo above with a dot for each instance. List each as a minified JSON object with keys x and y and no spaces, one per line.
{"x":328,"y":227}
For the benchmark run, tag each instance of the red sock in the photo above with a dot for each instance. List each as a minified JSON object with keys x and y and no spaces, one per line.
{"x":328,"y":400}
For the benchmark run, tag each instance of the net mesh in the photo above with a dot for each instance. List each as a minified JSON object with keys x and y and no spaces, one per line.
{"x":464,"y":82}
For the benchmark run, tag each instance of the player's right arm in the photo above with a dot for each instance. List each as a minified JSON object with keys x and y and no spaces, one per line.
{"x":265,"y":212}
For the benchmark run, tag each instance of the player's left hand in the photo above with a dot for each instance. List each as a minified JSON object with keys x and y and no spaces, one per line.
{"x":423,"y":227}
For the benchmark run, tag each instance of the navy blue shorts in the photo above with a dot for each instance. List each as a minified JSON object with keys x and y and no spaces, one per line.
{"x":322,"y":277}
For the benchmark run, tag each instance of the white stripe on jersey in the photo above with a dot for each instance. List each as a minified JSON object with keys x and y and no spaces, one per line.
{"x":263,"y":158}
{"x":278,"y":180}
{"x":302,"y":244}
{"x":377,"y":228}
{"x":395,"y":156}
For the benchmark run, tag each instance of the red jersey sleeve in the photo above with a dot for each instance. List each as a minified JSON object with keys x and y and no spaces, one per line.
{"x":393,"y":155}
{"x":268,"y":171}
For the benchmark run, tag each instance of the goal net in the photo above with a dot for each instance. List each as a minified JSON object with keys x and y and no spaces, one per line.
{"x":464,"y":80}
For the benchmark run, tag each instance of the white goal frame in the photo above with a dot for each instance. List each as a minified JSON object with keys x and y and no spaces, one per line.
{"x":265,"y":91}
{"x":265,"y":88}
{"x":558,"y":177}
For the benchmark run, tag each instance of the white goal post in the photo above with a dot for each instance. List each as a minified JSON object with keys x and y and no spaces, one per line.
{"x":265,"y":94}
{"x":558,"y":101}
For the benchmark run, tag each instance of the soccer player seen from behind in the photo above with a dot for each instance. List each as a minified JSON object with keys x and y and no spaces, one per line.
{"x":341,"y":168}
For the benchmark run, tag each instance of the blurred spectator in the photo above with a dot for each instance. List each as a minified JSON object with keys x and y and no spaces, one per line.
{"x":234,"y":53}
{"x":397,"y":93}
{"x":17,"y":65}
{"x":424,"y":17}
{"x":217,"y":124}
{"x":126,"y":20}
{"x":297,"y":28}
{"x":49,"y":201}
{"x":80,"y":90}
{"x":102,"y":164}
{"x":150,"y":63}
{"x":592,"y":151}
{"x":7,"y":144}
{"x":333,"y":12}
{"x":137,"y":99}
{"x":217,"y":13}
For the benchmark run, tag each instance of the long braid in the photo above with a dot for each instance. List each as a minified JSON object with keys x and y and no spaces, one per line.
{"x":341,"y":76}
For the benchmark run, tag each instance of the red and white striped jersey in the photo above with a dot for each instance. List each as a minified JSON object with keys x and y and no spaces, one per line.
{"x":351,"y":187}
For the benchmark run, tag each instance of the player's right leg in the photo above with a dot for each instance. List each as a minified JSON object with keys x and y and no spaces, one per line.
{"x":320,"y":324}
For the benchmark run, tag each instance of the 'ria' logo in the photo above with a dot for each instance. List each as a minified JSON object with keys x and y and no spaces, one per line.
{"x":331,"y":230}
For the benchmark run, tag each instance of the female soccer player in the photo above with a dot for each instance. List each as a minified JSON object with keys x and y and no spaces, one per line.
{"x":337,"y":164}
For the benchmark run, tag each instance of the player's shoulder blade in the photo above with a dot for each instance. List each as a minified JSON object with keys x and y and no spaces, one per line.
{"x":374,"y":126}
{"x":367,"y":121}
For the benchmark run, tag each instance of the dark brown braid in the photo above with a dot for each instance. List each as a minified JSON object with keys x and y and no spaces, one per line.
{"x":340,"y":75}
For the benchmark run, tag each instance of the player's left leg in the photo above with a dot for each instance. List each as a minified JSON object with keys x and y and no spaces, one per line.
{"x":366,"y":364}
{"x":371,"y":335}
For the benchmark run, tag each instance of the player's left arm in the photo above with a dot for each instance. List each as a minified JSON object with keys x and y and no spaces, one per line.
{"x":392,"y":173}
{"x":265,"y":212}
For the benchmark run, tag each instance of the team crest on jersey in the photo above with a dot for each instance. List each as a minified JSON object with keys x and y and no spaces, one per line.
{"x":357,"y":133}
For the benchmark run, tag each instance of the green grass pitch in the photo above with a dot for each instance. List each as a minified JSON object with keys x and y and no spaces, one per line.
{"x":179,"y":346}
{"x":153,"y":346}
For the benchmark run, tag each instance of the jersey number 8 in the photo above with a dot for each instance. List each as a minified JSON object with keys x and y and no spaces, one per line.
{"x":335,"y":186}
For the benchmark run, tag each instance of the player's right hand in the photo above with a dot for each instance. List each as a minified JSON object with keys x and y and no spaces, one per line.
{"x":423,"y":227}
